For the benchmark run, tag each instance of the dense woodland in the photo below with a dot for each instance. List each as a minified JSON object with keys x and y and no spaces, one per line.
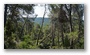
{"x":65,"y":31}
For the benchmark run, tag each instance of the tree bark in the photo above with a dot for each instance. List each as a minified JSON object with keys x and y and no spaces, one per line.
{"x":5,"y":14}
{"x":58,"y":35}
{"x":41,"y":25}
{"x":70,"y":18}
{"x":62,"y":34}
{"x":71,"y":29}
{"x":53,"y":34}
{"x":79,"y":23}
{"x":70,"y":21}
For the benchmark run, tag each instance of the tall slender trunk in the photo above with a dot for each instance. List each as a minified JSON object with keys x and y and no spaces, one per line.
{"x":62,"y":34}
{"x":71,"y":29}
{"x":5,"y":14}
{"x":70,"y":18}
{"x":60,"y":18}
{"x":41,"y":25}
{"x":79,"y":24}
{"x":58,"y":35}
{"x":79,"y":28}
{"x":5,"y":18}
{"x":53,"y":34}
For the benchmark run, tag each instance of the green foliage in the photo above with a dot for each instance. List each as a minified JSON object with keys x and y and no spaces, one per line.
{"x":27,"y":43}
{"x":66,"y":42}
{"x":23,"y":33}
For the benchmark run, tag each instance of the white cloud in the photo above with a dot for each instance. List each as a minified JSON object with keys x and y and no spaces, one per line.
{"x":39,"y":10}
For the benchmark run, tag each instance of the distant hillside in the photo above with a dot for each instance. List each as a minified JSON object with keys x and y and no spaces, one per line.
{"x":38,"y":20}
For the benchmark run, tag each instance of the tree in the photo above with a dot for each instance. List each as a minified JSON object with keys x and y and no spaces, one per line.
{"x":5,"y":14}
{"x":64,"y":29}
{"x":80,"y":12}
{"x":41,"y":25}
{"x":13,"y":14}
{"x":67,"y":15}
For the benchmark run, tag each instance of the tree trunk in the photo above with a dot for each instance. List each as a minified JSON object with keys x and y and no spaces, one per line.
{"x":79,"y":24}
{"x":71,"y":29}
{"x":53,"y":34}
{"x":70,"y":18}
{"x":79,"y":28}
{"x":5,"y":14}
{"x":71,"y":47}
{"x":62,"y":34}
{"x":60,"y":18}
{"x":58,"y":35}
{"x":41,"y":25}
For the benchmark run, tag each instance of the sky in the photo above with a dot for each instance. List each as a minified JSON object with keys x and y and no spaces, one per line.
{"x":39,"y":10}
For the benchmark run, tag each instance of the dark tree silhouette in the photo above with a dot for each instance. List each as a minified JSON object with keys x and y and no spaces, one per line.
{"x":5,"y":14}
